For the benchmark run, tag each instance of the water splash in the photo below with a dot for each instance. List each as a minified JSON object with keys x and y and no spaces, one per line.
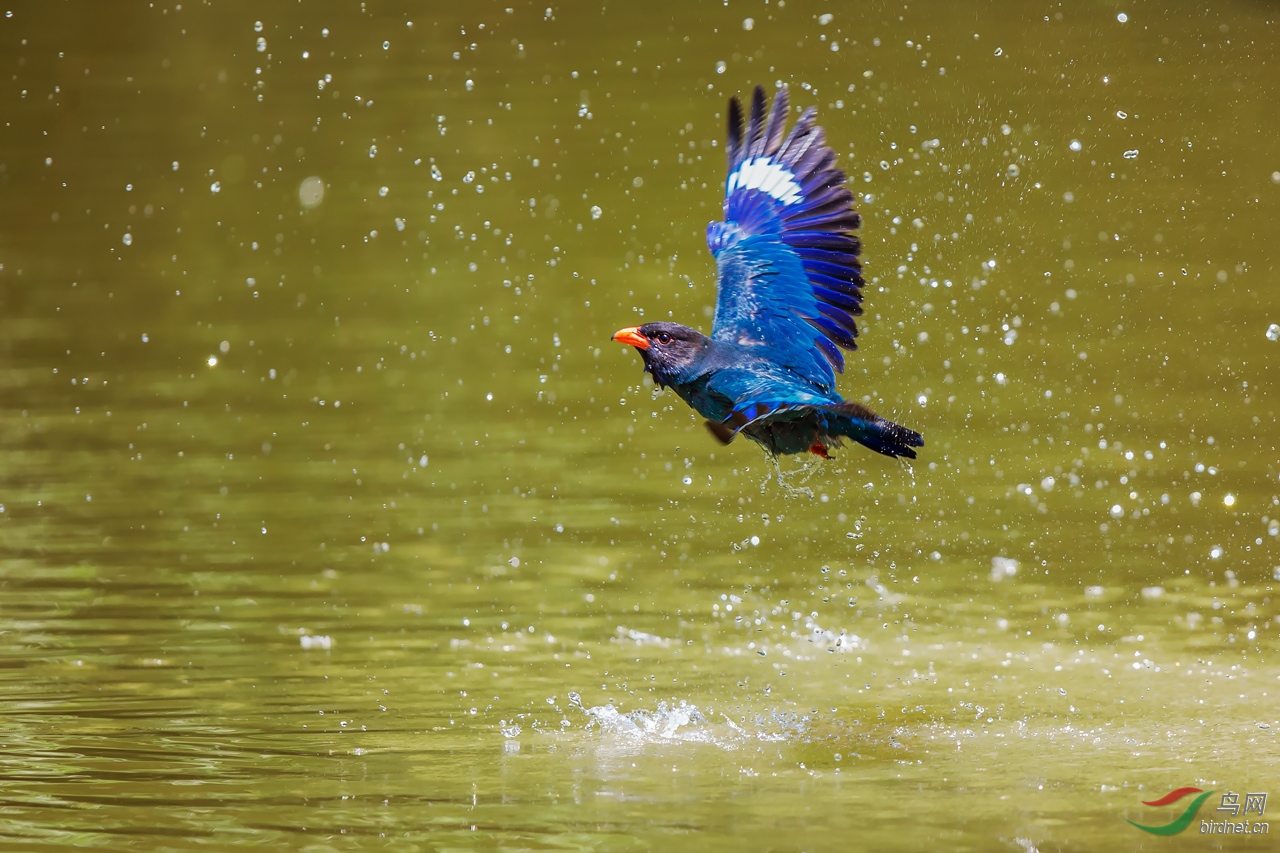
{"x":832,"y":640}
{"x":684,"y":722}
{"x":792,"y":483}
{"x":640,"y":638}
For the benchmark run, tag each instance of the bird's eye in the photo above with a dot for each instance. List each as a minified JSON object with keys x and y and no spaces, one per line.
{"x":663,"y":338}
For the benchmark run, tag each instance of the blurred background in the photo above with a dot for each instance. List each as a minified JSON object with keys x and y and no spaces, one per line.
{"x":331,"y":518}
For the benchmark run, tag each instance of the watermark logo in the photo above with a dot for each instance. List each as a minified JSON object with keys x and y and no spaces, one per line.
{"x":1180,"y":823}
{"x":1255,"y":803}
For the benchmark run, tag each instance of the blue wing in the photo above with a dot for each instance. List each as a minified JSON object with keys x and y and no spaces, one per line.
{"x":787,"y":264}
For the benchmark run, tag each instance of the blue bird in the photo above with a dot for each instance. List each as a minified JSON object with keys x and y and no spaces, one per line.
{"x":789,"y":286}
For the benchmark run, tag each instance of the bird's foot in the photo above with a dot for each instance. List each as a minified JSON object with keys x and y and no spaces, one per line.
{"x":819,"y":449}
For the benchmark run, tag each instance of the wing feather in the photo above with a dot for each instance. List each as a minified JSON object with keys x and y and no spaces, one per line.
{"x":849,"y":287}
{"x":787,"y":260}
{"x":777,"y":123}
{"x":755,"y":124}
{"x":840,"y":336}
{"x":733,"y":146}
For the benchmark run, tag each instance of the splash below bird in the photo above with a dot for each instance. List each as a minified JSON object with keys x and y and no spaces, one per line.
{"x":790,"y":285}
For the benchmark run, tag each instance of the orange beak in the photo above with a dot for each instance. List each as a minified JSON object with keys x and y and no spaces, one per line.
{"x":631,"y":335}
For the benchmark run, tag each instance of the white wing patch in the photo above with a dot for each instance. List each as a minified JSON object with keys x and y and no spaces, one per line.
{"x":768,"y":177}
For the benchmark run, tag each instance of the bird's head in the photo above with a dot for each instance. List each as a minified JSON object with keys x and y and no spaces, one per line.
{"x":671,"y":352}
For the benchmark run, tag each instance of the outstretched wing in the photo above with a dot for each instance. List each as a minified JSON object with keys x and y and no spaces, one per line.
{"x":787,"y":262}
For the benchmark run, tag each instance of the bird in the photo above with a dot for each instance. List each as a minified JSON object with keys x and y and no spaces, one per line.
{"x":789,"y":285}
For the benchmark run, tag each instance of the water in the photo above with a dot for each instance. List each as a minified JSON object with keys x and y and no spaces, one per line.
{"x":332,"y":518}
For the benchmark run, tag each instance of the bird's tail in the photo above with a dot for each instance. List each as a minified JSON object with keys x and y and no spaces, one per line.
{"x":855,"y":421}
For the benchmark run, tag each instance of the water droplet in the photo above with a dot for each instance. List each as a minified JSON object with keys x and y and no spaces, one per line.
{"x":596,"y":213}
{"x":1131,"y":154}
{"x":215,"y":187}
{"x":382,"y":192}
{"x":748,"y":23}
{"x":311,"y":192}
{"x":1117,"y":511}
{"x":127,"y":239}
{"x":262,"y":45}
{"x":1122,"y":17}
{"x":1273,"y":332}
{"x":1003,"y":567}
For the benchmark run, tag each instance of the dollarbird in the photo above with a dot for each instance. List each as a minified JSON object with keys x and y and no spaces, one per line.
{"x":789,"y":285}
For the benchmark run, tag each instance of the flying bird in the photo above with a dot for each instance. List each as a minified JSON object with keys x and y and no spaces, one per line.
{"x":789,"y":286}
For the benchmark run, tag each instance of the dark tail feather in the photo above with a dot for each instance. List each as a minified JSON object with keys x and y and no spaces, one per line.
{"x":864,"y":426}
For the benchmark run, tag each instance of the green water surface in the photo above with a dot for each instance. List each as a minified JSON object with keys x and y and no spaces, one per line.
{"x":331,"y":519}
